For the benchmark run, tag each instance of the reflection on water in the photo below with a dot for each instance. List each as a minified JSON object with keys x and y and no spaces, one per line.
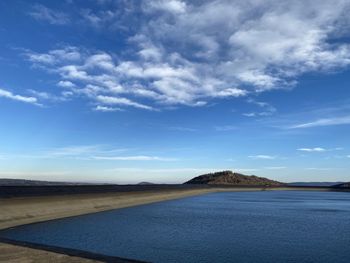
{"x":276,"y":226}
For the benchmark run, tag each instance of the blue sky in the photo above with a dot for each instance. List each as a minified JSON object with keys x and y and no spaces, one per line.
{"x":161,"y":91}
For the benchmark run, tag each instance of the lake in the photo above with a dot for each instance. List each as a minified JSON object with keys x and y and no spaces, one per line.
{"x":265,"y":226}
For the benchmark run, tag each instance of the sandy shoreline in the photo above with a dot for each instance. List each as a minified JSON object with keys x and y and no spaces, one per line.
{"x":26,"y":210}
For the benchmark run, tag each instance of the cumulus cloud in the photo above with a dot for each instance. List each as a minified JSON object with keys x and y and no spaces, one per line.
{"x":179,"y":57}
{"x":46,"y":14}
{"x":66,"y":84}
{"x":9,"y":95}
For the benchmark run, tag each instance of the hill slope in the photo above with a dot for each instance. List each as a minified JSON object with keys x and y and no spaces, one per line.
{"x":231,"y":178}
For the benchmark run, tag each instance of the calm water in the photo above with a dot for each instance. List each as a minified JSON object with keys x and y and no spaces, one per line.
{"x":268,"y":227}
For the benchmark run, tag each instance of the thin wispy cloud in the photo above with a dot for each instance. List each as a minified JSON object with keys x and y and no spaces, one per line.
{"x":74,"y":150}
{"x":275,"y":167}
{"x":46,"y":96}
{"x":265,"y":109}
{"x":98,"y":152}
{"x":122,"y":101}
{"x":182,"y":129}
{"x":45,"y":14}
{"x":320,"y":169}
{"x":319,"y":149}
{"x":164,"y":170}
{"x":262,"y":157}
{"x":106,"y":109}
{"x":323,"y":122}
{"x":133,"y":158}
{"x":27,"y":99}
{"x":225,"y":128}
{"x":316,"y":149}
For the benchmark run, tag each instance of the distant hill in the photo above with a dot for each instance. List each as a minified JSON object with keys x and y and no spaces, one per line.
{"x":231,"y":178}
{"x":343,"y":185}
{"x":314,"y":183}
{"x":23,"y":182}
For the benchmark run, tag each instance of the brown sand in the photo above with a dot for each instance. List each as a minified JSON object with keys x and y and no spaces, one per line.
{"x":17,"y":254}
{"x":19,"y":211}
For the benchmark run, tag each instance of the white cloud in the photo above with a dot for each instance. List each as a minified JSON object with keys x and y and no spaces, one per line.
{"x":122,"y":101}
{"x":54,"y":17}
{"x":250,"y":114}
{"x":320,"y":149}
{"x":172,"y":6}
{"x":263,"y":157}
{"x":66,"y":84}
{"x":323,"y":122}
{"x":107,"y":109}
{"x":133,"y":158}
{"x":181,"y":58}
{"x":66,"y":54}
{"x":9,"y":95}
{"x":316,"y":149}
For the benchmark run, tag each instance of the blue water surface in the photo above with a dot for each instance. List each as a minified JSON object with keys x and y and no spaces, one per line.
{"x":265,"y":226}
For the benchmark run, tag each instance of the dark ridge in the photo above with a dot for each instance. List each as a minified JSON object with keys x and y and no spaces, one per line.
{"x":70,"y":251}
{"x":314,"y":183}
{"x":342,"y":186}
{"x":231,"y":178}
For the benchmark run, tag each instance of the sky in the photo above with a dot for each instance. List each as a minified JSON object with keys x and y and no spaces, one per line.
{"x":164,"y":90}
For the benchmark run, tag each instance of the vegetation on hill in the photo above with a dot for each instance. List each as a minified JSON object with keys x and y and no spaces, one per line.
{"x":231,"y":178}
